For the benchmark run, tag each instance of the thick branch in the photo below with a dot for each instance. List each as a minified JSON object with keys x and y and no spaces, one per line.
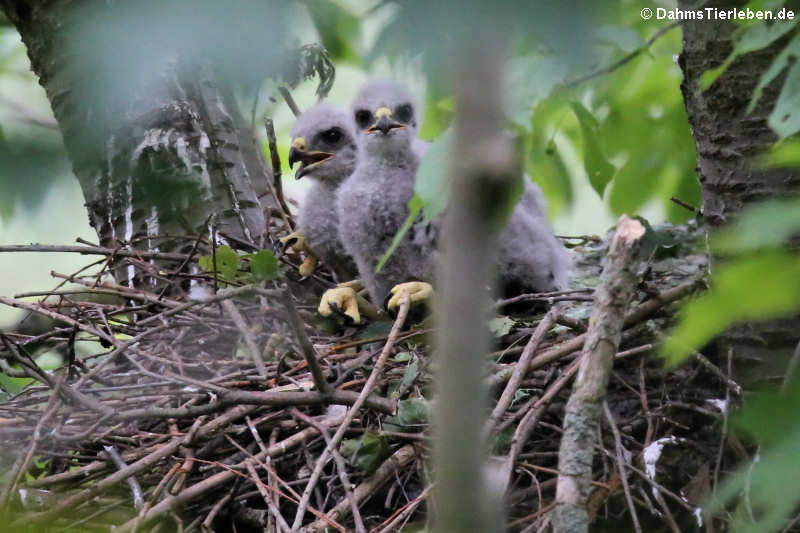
{"x":584,"y":408}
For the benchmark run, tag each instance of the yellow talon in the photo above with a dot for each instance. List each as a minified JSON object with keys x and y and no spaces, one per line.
{"x":295,"y":241}
{"x":309,"y":265}
{"x":418,"y":291}
{"x":342,"y":299}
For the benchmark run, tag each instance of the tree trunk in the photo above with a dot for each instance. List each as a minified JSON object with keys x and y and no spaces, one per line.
{"x":728,"y":140}
{"x":153,"y":160}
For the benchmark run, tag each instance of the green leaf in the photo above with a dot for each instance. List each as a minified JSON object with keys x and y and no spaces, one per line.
{"x":501,"y":325}
{"x":338,"y":29}
{"x":439,"y":110}
{"x":402,"y":357}
{"x":749,"y":39}
{"x":788,"y":54}
{"x":412,"y":412}
{"x":770,"y":481}
{"x":783,"y":155}
{"x":368,"y":452}
{"x":756,"y":287}
{"x":226,"y":259}
{"x":599,"y":170}
{"x":785,"y":118}
{"x":410,"y":374}
{"x":769,"y":224}
{"x":431,"y":185}
{"x":263,"y":265}
{"x":531,"y":79}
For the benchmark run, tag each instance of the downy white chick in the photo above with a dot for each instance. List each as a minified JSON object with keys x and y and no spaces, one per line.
{"x":373,"y":204}
{"x":323,"y":142}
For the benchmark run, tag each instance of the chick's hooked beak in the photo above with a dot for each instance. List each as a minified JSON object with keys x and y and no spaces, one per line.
{"x":385,"y":122}
{"x":308,"y":159}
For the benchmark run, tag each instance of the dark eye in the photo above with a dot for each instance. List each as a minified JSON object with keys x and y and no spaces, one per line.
{"x":332,"y":136}
{"x":404,"y":113}
{"x":363,"y":118}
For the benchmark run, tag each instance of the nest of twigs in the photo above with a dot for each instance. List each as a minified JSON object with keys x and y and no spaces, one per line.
{"x":204,"y":414}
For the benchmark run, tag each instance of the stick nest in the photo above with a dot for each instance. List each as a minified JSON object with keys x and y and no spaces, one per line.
{"x":175,"y":422}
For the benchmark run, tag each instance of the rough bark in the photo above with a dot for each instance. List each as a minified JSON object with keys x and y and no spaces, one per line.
{"x":728,"y":140}
{"x":152,"y":160}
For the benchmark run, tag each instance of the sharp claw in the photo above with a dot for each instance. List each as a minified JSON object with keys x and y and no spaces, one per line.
{"x":341,"y":301}
{"x":418,"y":291}
{"x":295,"y":241}
{"x":308,"y":266}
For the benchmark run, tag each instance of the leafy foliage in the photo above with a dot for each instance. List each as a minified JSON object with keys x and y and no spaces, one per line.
{"x":28,"y":166}
{"x":733,"y":298}
{"x":599,"y":170}
{"x":761,"y":261}
{"x":410,"y":414}
{"x":247,"y":268}
{"x":338,"y":29}
{"x":367,"y":452}
{"x":784,"y":118}
{"x":770,"y":482}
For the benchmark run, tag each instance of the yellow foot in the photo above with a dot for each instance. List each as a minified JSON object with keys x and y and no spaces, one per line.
{"x":340,"y":300}
{"x":308,"y":266}
{"x":296,"y":242}
{"x":418,"y":291}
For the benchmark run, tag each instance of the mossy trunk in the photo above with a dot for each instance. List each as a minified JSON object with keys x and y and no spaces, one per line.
{"x":166,"y":157}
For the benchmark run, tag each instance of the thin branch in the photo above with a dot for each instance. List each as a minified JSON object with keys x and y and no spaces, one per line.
{"x":626,"y":59}
{"x":341,"y":467}
{"x":309,"y":354}
{"x":287,"y":97}
{"x":351,"y":414}
{"x":247,"y":334}
{"x":621,"y":467}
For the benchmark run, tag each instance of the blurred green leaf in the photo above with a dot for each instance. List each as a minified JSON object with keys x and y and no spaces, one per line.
{"x":439,"y":109}
{"x":789,"y":54}
{"x":769,"y":224}
{"x":401,"y":357}
{"x":339,"y":29}
{"x":28,"y":167}
{"x":531,"y":79}
{"x":599,"y":170}
{"x":756,"y":287}
{"x":543,"y":160}
{"x":749,"y":39}
{"x":263,"y":265}
{"x":368,"y":452}
{"x":770,"y":481}
{"x":785,"y":118}
{"x":785,"y":154}
{"x":626,"y":39}
{"x":431,"y":183}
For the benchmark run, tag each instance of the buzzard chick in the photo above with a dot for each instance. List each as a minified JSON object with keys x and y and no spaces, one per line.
{"x":373,"y":201}
{"x":323,"y":142}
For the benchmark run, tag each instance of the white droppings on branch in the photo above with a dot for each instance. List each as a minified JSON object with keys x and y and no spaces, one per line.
{"x":131,"y":270}
{"x":721,"y":404}
{"x":652,"y":453}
